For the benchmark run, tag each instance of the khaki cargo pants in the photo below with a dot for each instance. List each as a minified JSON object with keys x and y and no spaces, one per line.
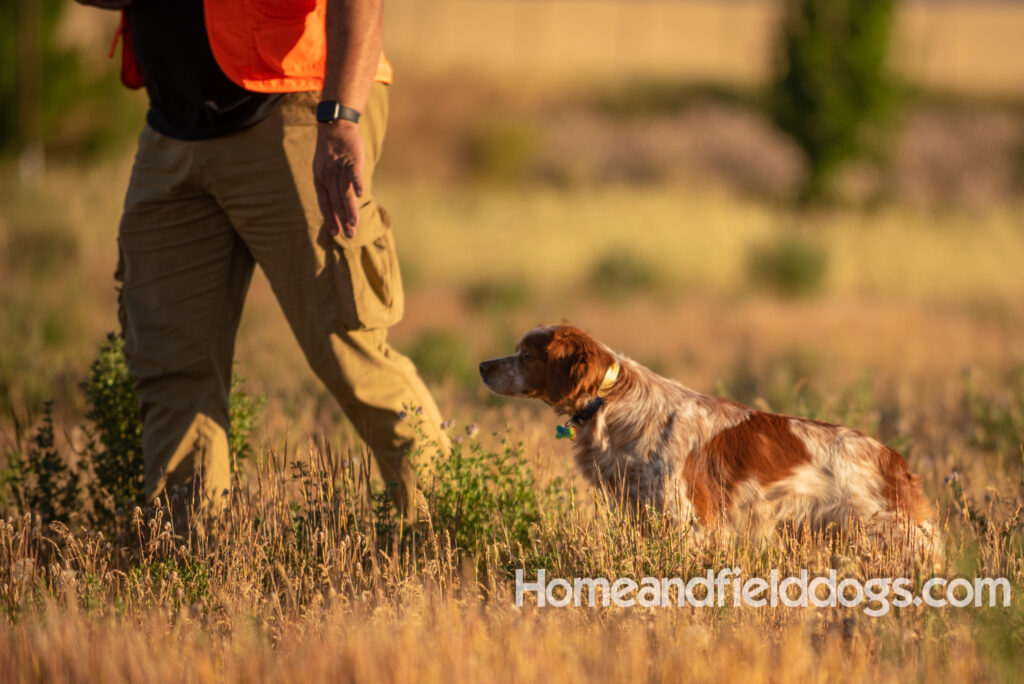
{"x":198,"y":216}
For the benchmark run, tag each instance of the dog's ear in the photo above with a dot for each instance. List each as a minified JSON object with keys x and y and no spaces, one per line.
{"x":576,"y":365}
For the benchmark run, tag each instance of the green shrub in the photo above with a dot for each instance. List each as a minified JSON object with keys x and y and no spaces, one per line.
{"x":481,"y":497}
{"x":38,"y":478}
{"x":621,"y":273}
{"x":832,"y":89}
{"x":442,"y":355}
{"x":243,"y":412}
{"x":998,"y":416}
{"x":76,"y":110}
{"x":503,"y":151}
{"x":650,"y":97}
{"x":782,"y":384}
{"x":50,"y":486}
{"x":115,"y":452}
{"x":40,"y":248}
{"x":12,"y":480}
{"x":791,"y":266}
{"x":790,"y":384}
{"x":113,"y":411}
{"x":497,"y":296}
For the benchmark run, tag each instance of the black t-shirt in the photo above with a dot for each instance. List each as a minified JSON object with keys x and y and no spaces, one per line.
{"x":190,"y":98}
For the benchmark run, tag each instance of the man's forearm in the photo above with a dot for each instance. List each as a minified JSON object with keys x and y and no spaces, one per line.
{"x":354,"y":29}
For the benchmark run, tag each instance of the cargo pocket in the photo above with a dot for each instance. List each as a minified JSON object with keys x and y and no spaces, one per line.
{"x":366,"y":273}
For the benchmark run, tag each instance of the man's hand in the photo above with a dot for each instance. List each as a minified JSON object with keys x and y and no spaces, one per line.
{"x":105,"y":4}
{"x":338,"y":175}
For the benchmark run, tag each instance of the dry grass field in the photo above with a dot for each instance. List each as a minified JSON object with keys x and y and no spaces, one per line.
{"x":913,"y":334}
{"x":901,"y":315}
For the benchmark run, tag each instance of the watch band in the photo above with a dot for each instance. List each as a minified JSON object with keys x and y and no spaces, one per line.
{"x":329,"y":111}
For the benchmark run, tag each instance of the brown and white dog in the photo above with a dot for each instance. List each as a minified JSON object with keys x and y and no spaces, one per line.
{"x":650,"y":441}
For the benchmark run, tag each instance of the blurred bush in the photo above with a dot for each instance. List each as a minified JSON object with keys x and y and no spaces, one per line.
{"x":40,"y":248}
{"x":781,"y":384}
{"x":81,"y":111}
{"x":791,"y":383}
{"x":652,"y":97}
{"x":621,"y":273}
{"x":442,"y":355}
{"x":791,"y":266}
{"x":833,"y":92}
{"x":498,"y":296}
{"x":503,"y":151}
{"x":998,"y":415}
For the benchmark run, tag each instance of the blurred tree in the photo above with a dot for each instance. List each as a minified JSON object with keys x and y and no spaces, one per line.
{"x":832,"y":92}
{"x":8,"y":76}
{"x":30,"y":76}
{"x":47,"y":97}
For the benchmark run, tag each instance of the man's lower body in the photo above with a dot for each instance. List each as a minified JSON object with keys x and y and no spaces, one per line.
{"x":198,"y":216}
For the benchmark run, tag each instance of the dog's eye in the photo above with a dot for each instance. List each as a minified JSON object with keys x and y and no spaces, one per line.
{"x":526,"y":353}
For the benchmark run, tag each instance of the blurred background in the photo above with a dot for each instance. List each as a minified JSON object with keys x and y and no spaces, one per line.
{"x":812,"y":205}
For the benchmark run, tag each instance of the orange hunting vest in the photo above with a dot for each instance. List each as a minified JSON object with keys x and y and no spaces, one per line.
{"x":266,"y":46}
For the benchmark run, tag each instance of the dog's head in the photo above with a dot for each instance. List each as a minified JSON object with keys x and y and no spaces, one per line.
{"x":559,"y":364}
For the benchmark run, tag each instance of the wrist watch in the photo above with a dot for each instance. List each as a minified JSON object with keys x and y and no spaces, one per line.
{"x":329,"y":111}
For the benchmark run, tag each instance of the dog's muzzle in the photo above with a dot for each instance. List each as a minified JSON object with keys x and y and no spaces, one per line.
{"x":499,"y":378}
{"x":487,"y":369}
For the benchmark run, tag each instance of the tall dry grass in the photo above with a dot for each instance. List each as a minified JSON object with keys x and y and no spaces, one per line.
{"x":304,"y":579}
{"x":912,"y":333}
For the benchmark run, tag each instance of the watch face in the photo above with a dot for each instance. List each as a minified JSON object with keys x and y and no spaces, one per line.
{"x":327,"y":111}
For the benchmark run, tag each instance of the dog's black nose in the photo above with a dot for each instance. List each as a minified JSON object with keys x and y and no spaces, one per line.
{"x":485,"y":366}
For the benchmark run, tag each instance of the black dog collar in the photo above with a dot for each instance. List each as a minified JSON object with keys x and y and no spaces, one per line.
{"x":568,"y":431}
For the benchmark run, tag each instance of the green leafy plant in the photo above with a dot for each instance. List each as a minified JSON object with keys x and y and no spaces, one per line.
{"x":481,"y":496}
{"x":50,"y":485}
{"x":115,"y":454}
{"x":832,"y":90}
{"x":243,"y":411}
{"x":116,"y":459}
